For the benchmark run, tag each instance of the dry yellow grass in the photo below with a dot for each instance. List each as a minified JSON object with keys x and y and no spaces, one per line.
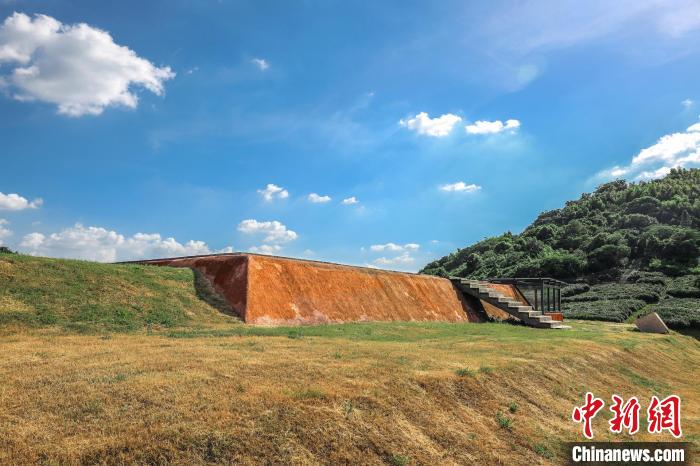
{"x":430,"y":395}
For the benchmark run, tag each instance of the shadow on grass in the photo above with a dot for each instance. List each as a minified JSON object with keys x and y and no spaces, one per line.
{"x":689,"y":332}
{"x":206,"y":292}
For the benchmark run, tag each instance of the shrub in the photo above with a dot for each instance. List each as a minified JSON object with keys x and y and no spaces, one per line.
{"x":687,"y":286}
{"x":611,"y":291}
{"x":611,"y":310}
{"x":399,"y":460}
{"x":542,"y":450}
{"x":679,"y":312}
{"x":654,"y":278}
{"x":504,"y":422}
{"x":607,"y":256}
{"x":576,"y":288}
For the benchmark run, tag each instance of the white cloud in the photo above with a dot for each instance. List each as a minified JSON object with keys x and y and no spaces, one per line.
{"x":77,"y":67}
{"x":268,"y":249}
{"x":399,"y":255}
{"x":403,"y":259}
{"x":260,"y":63}
{"x":316,"y":199}
{"x":437,"y":127}
{"x":687,"y":103}
{"x":393,"y":247}
{"x":350,"y":201}
{"x":676,"y":150}
{"x":459,"y":187}
{"x":492,"y":127}
{"x":274,"y":232}
{"x":272,"y":191}
{"x":100,"y":244}
{"x":17,"y":202}
{"x":4,"y":231}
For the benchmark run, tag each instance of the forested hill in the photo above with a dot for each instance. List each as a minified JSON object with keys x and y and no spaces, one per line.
{"x":648,"y":226}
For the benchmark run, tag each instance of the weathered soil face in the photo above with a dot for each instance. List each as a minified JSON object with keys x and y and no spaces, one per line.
{"x":279,"y":291}
{"x":287,"y":291}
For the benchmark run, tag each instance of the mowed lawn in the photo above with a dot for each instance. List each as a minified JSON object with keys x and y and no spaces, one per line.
{"x":371,"y":393}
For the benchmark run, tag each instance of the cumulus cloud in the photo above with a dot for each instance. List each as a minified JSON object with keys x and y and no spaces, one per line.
{"x":4,"y":231}
{"x":492,"y":127}
{"x":350,"y":201}
{"x":17,"y":202}
{"x":273,"y":232}
{"x":260,"y":63}
{"x":393,"y":247}
{"x":676,"y":150}
{"x":437,"y":127}
{"x":268,"y":249}
{"x":316,"y":199}
{"x":687,"y":103}
{"x":403,"y":259}
{"x":103,"y":245}
{"x":272,"y":192}
{"x":396,"y":255}
{"x":77,"y":67}
{"x":459,"y":187}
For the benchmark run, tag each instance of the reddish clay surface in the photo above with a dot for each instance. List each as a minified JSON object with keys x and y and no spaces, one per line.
{"x":558,"y":316}
{"x":279,"y":291}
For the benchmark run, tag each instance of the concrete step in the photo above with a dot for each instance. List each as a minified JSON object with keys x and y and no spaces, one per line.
{"x":531,"y":314}
{"x":525,"y":313}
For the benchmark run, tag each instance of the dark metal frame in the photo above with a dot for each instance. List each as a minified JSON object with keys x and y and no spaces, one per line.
{"x":547,"y":291}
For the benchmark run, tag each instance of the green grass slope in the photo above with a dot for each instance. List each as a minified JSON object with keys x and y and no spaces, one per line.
{"x":88,"y":296}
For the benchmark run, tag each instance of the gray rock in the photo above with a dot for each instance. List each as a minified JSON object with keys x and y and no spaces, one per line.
{"x":651,"y":323}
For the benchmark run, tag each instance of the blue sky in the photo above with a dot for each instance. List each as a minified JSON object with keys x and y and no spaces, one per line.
{"x":146,"y":129}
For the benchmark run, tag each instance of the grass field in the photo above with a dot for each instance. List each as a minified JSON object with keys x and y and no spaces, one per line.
{"x":392,"y":393}
{"x":175,"y":381}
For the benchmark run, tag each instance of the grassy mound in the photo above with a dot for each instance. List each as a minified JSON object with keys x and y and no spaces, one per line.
{"x":373,"y":393}
{"x":88,"y":296}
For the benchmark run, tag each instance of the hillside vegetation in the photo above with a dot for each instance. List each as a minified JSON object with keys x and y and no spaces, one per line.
{"x":88,"y":296}
{"x":626,"y":247}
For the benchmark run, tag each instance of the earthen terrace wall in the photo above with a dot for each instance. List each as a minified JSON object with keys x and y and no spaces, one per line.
{"x":273,"y":290}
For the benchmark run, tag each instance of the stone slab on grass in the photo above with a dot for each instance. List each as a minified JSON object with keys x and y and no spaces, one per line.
{"x":651,"y":323}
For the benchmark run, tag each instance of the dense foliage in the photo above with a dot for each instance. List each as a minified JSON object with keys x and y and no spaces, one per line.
{"x":625,"y":249}
{"x":679,"y":312}
{"x":612,"y":310}
{"x":612,"y":291}
{"x":648,"y":226}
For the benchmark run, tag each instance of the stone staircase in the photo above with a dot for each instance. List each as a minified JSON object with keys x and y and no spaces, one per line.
{"x":523,"y":312}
